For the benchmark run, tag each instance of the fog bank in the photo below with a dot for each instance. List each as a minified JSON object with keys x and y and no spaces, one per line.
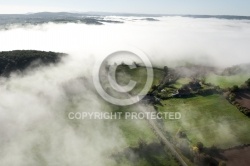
{"x":35,"y":128}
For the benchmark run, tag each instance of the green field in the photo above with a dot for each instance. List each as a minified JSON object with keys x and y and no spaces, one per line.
{"x":139,"y":75}
{"x":211,"y":120}
{"x":134,"y":130}
{"x":227,"y":81}
{"x":181,"y":81}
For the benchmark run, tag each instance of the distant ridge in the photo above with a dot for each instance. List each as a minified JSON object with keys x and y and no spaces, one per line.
{"x":49,"y":14}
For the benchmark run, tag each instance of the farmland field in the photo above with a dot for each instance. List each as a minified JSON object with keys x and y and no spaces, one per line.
{"x":227,"y":81}
{"x":209,"y":119}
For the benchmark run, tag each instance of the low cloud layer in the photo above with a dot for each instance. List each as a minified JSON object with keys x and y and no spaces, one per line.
{"x":217,"y":41}
{"x":33,"y":108}
{"x":35,"y":128}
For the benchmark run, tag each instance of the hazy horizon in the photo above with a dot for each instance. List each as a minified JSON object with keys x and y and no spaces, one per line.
{"x":104,"y":13}
{"x":194,"y":7}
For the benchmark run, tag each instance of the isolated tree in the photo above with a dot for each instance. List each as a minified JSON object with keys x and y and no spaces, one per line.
{"x":232,"y":97}
{"x":166,"y":69}
{"x":200,"y":146}
{"x":122,"y":63}
{"x":142,"y":143}
{"x":235,"y":88}
{"x":154,"y":87}
{"x":135,"y":64}
{"x":248,"y":82}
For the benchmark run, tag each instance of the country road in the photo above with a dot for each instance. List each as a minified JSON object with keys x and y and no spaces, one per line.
{"x":161,"y":136}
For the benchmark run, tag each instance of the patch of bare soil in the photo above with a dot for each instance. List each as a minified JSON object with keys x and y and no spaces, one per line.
{"x":237,"y":156}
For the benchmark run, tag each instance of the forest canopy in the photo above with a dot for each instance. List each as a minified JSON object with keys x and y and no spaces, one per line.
{"x":19,"y":60}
